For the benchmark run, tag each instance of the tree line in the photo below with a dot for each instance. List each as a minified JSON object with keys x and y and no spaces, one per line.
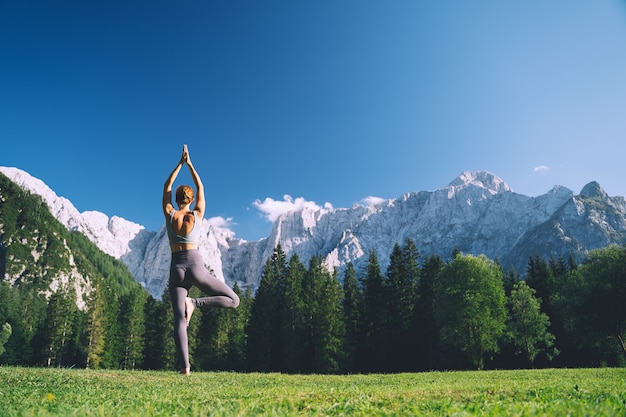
{"x":420,"y":314}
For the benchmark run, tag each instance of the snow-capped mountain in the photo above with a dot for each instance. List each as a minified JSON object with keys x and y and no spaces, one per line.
{"x":477,"y":213}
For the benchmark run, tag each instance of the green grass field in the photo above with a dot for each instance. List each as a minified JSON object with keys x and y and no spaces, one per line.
{"x":550,"y":392}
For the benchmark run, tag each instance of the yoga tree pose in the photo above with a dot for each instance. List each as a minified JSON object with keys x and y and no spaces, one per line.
{"x":184,"y":228}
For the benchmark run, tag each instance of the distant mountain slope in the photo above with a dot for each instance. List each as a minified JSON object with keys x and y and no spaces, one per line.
{"x":477,"y":213}
{"x":587,"y":221}
{"x":38,"y":251}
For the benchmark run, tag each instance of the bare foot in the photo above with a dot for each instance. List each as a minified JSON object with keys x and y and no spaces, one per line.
{"x":185,"y":371}
{"x":189,"y":308}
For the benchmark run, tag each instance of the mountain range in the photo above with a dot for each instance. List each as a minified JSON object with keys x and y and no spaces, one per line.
{"x":477,"y":213}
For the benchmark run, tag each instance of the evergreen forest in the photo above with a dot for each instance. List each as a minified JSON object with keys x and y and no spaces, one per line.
{"x":64,"y":303}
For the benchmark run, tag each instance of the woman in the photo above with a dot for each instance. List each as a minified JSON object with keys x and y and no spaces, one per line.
{"x":184,"y":227}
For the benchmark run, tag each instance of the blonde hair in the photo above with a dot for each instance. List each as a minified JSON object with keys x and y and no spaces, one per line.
{"x":184,"y":195}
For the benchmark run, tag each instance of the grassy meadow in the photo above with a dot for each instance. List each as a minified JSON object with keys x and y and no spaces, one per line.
{"x":77,"y":392}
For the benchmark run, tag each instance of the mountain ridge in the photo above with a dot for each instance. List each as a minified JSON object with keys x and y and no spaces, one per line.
{"x":39,"y":252}
{"x":477,"y":213}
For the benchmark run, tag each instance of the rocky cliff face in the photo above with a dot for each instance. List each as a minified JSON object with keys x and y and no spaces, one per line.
{"x":477,"y":213}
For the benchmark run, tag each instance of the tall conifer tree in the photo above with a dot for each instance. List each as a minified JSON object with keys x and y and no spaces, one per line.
{"x":114,"y":345}
{"x":403,"y":273}
{"x":326,"y":318}
{"x":540,"y":276}
{"x":156,"y":335}
{"x":295,"y":321}
{"x":159,"y":347}
{"x":133,"y":319}
{"x":56,"y":333}
{"x":265,"y":326}
{"x":375,"y":317}
{"x":95,"y":332}
{"x":427,"y":331}
{"x":352,"y":314}
{"x":237,"y":336}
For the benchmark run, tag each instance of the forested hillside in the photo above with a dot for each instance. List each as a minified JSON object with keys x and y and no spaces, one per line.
{"x":65,"y":303}
{"x":64,"y":299}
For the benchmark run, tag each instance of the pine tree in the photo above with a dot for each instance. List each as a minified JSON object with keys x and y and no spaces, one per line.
{"x":237,"y":337}
{"x":212,"y":348}
{"x":159,"y":348}
{"x":6,"y":307}
{"x":55,"y":334}
{"x":222,"y":335}
{"x":133,"y":325}
{"x":352,"y":314}
{"x":403,"y":274}
{"x":76,"y":354}
{"x":326,"y":318}
{"x":548,"y":279}
{"x":375,"y":318}
{"x":28,"y":315}
{"x":114,"y":345}
{"x":294,"y":324}
{"x":427,"y":355}
{"x":5,"y":333}
{"x":540,"y":277}
{"x":95,"y":331}
{"x":510,"y":278}
{"x":265,"y":326}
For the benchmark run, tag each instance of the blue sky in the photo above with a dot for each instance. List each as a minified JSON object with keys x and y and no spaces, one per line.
{"x":309,"y":102}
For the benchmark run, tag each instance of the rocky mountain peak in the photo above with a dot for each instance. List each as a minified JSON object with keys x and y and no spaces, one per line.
{"x":481,"y":179}
{"x":592,"y":190}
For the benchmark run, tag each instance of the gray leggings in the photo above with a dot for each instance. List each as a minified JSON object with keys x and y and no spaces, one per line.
{"x":187,"y":269}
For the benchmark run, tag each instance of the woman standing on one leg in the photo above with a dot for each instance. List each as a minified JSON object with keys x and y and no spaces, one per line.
{"x":184,"y":227}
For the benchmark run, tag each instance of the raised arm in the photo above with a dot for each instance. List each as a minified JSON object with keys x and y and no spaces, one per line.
{"x":167,"y":187}
{"x":200,"y":202}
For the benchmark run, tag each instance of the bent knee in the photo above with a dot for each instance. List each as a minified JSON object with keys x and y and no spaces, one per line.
{"x":235,"y":299}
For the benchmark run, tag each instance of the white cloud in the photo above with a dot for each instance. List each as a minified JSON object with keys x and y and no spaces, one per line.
{"x":541,"y":169}
{"x":221,"y":222}
{"x":271,"y":208}
{"x":372,"y":201}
